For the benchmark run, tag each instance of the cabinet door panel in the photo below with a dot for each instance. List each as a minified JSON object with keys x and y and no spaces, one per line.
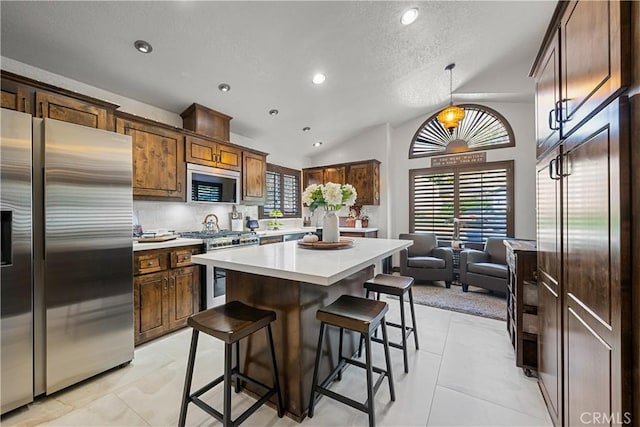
{"x":360,"y":177}
{"x":550,"y":346}
{"x":229,"y":157}
{"x":183,"y":293}
{"x":312,"y":176}
{"x":70,"y":110}
{"x":16,"y":96}
{"x":547,"y":78}
{"x":594,"y":60}
{"x":201,"y":151}
{"x":159,"y":169}
{"x":150,"y":304}
{"x":335,"y":174}
{"x":254,"y":183}
{"x":596,"y":263}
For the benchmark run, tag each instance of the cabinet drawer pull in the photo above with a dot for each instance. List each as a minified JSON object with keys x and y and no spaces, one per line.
{"x":149,"y":262}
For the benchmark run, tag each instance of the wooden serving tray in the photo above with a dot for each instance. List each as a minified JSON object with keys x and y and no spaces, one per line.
{"x":342,"y":244}
{"x":156,"y":239}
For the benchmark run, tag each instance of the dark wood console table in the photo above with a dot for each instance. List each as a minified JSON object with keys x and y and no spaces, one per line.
{"x":522,"y":303}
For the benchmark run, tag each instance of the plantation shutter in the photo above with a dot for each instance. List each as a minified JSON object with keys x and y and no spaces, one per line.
{"x":283,"y":192}
{"x":434,"y":204}
{"x":479,"y":196}
{"x":291,"y":195}
{"x":273,"y":192}
{"x":483,"y":204}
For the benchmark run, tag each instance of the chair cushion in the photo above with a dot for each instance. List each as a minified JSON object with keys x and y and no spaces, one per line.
{"x":488,"y":269}
{"x":425,"y":262}
{"x":423,"y":243}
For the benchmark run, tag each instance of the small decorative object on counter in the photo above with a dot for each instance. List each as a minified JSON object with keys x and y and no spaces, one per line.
{"x":358,"y":223}
{"x":274,"y":223}
{"x":332,"y":197}
{"x":310,"y":238}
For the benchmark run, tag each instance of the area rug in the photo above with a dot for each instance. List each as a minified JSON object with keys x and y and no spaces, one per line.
{"x":477,"y":301}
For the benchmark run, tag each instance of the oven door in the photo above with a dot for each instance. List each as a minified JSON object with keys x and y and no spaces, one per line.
{"x":214,"y":287}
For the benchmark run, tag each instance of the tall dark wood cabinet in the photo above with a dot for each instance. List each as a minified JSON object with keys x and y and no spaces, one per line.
{"x":584,"y":214}
{"x":549,"y":240}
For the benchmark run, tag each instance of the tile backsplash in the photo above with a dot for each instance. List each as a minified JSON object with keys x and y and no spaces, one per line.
{"x":188,"y":217}
{"x":185,"y":217}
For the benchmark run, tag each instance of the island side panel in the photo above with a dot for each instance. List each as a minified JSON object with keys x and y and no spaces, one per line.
{"x":295,"y":331}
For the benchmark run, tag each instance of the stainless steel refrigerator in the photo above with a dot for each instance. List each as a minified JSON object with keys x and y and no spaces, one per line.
{"x":82,"y":292}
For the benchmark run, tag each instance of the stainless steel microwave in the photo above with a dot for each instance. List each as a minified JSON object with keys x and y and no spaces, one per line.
{"x":212,"y":185}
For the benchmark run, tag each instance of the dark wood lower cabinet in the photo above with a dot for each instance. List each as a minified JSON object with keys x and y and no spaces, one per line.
{"x":164,"y":299}
{"x":597,"y":270}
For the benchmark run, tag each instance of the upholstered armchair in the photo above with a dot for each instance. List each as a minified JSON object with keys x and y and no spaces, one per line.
{"x":424,"y":260}
{"x":487,"y":268}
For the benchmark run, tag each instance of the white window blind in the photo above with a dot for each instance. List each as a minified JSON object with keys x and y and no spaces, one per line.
{"x":480,"y":197}
{"x":290,"y":195}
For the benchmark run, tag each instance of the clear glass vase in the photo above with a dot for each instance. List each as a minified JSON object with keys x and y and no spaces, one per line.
{"x":330,"y":231}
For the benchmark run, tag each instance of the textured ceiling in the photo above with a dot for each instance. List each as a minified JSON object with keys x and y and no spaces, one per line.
{"x":377,"y":70}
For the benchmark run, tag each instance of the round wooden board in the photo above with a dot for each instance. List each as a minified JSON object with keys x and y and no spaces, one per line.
{"x":342,"y":244}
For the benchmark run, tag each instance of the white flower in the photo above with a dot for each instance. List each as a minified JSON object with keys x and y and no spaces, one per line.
{"x":332,"y":193}
{"x":351,"y":193}
{"x":307,"y":194}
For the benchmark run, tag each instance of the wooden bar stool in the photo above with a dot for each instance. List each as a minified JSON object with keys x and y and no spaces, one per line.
{"x":360,"y":315}
{"x":398,"y":286}
{"x":230,"y":323}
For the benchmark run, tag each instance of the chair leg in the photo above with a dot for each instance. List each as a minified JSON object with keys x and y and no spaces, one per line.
{"x":465,"y":287}
{"x":226,"y":415}
{"x":339,"y":378}
{"x":447,"y":283}
{"x":370,"y":400}
{"x":189,"y":376}
{"x":315,"y":371}
{"x":274,"y":369}
{"x":385,"y":339}
{"x":362,"y":336}
{"x":238,"y":367}
{"x":403,"y":328}
{"x":413,"y":318}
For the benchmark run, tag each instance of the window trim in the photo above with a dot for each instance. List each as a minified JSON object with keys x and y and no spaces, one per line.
{"x":505,"y":164}
{"x":281,"y":171}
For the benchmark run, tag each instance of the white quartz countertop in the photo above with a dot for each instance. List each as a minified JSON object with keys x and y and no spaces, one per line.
{"x":289,"y":261}
{"x":284,"y":231}
{"x":180,"y":241}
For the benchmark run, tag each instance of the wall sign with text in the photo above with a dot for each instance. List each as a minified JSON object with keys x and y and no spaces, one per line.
{"x":461,"y":159}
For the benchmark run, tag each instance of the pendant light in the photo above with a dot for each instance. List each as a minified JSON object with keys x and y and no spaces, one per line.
{"x":451,"y":116}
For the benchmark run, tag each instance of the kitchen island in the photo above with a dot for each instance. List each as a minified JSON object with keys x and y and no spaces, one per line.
{"x":295,"y":282}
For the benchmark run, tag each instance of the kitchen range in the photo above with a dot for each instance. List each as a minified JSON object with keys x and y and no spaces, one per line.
{"x":215,"y":277}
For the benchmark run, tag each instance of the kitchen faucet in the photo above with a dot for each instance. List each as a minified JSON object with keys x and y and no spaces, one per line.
{"x":210,"y":225}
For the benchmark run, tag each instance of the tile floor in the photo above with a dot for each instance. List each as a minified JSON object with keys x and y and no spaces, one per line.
{"x":463,"y":375}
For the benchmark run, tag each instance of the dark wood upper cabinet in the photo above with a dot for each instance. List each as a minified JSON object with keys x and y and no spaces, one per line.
{"x":596,"y":56}
{"x":205,"y":121}
{"x":159,"y":169}
{"x":365,"y":177}
{"x":254,"y":177}
{"x":335,"y":174}
{"x":66,"y":109}
{"x":312,"y":176}
{"x":547,"y":78}
{"x":16,"y":96}
{"x":211,"y":153}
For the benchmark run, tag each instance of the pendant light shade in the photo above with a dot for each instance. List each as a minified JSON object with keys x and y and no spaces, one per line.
{"x":451,"y":116}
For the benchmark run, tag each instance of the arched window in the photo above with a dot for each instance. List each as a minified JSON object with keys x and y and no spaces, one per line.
{"x":481,"y":129}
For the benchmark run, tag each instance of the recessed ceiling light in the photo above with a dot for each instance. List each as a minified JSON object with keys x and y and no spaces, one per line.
{"x":319,"y":78}
{"x":143,"y":46}
{"x":306,"y":129}
{"x":317,"y":144}
{"x":273,"y":112}
{"x":409,"y":16}
{"x":224,"y":87}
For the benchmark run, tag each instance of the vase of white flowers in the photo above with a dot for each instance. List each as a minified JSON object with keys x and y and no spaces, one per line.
{"x":332,"y":197}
